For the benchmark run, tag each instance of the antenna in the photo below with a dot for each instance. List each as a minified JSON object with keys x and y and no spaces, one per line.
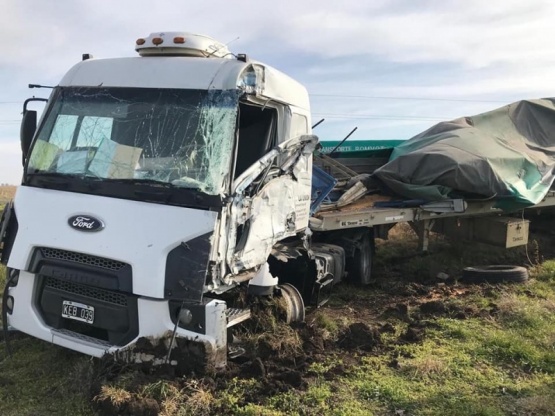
{"x":343,"y":141}
{"x":225,"y":44}
{"x":317,"y":124}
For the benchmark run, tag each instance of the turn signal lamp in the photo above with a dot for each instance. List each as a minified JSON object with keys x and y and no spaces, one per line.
{"x":251,"y":78}
{"x":181,"y":44}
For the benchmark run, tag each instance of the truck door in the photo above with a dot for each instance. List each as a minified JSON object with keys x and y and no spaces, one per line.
{"x":271,"y":201}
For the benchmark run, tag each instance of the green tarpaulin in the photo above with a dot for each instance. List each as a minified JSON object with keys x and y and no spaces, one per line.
{"x":507,"y":154}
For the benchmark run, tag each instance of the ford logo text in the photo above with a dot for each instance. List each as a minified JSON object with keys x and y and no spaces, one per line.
{"x":85,"y":223}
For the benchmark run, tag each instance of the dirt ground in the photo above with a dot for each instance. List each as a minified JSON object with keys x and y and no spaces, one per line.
{"x":409,"y":287}
{"x":281,"y":361}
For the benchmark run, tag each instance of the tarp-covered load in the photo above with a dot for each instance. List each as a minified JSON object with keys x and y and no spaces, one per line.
{"x":507,"y":154}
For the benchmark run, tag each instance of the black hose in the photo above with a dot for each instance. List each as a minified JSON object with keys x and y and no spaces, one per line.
{"x":5,"y":314}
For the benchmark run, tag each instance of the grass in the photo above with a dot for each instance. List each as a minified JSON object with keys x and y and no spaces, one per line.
{"x":489,"y":350}
{"x":42,"y":379}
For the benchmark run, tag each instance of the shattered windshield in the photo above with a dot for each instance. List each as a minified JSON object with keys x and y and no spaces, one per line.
{"x":178,"y":137}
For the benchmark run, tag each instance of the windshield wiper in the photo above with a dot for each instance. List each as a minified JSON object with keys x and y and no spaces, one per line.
{"x":43,"y":178}
{"x":58,"y":178}
{"x":142,"y":181}
{"x":159,"y":190}
{"x":48,"y":174}
{"x":183,"y":183}
{"x":142,"y":188}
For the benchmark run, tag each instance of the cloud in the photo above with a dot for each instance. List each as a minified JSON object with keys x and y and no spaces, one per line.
{"x":472,"y":33}
{"x":10,"y":162}
{"x":499,"y":50}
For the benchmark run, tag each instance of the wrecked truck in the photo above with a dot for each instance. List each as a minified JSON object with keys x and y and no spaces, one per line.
{"x":164,"y":194}
{"x":152,"y":185}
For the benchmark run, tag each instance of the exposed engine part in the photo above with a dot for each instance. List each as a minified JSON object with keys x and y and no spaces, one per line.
{"x":263,"y":283}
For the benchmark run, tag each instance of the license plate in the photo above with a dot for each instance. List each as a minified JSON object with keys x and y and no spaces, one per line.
{"x":78,"y":311}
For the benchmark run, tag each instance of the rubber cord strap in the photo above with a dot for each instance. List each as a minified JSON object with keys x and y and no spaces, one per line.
{"x":5,"y":315}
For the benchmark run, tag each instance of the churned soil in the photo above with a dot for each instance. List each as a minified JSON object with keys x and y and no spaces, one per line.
{"x":398,"y":308}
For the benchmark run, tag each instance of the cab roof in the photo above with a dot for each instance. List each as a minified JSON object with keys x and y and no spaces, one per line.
{"x":185,"y":72}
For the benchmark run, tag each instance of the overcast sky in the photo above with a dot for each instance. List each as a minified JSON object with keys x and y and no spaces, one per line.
{"x":391,"y":68}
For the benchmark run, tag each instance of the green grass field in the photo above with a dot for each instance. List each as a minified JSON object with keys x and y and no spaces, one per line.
{"x":409,"y":344}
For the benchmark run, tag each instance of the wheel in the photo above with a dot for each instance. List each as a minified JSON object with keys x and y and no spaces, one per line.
{"x":495,"y":274}
{"x":294,"y":304}
{"x":360,"y":265}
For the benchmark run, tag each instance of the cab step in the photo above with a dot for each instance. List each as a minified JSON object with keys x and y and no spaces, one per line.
{"x":236,"y":316}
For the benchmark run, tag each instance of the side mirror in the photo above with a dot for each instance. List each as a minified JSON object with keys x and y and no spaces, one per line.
{"x":28,"y":128}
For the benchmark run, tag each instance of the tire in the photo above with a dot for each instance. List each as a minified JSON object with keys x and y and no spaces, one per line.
{"x":495,"y":274}
{"x":294,"y":304}
{"x":360,"y":265}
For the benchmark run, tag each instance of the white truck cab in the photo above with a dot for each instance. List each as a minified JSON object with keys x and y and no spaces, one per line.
{"x":151,"y":186}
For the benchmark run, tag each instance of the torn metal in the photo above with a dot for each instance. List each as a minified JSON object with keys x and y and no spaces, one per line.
{"x":275,"y":209}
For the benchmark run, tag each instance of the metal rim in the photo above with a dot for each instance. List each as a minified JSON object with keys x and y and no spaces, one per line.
{"x":294,"y":303}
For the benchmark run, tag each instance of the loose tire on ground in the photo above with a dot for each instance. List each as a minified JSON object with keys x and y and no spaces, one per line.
{"x":495,"y":274}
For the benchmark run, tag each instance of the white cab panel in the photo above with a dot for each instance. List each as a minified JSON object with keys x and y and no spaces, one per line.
{"x":138,"y":233}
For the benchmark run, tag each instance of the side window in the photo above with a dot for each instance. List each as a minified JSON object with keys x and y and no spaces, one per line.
{"x":94,"y":130}
{"x":257,"y":135}
{"x":299,"y":125}
{"x":63,"y":131}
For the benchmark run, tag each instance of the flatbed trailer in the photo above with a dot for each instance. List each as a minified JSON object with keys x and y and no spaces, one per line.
{"x":363,"y":213}
{"x":355,"y":225}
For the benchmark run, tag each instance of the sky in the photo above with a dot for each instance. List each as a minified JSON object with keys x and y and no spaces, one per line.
{"x":391,"y":68}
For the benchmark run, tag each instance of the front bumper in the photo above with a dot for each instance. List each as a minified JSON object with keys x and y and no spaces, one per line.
{"x":152,"y":317}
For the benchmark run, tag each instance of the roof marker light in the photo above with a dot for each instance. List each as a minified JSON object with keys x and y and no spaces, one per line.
{"x":182,"y":44}
{"x":140,"y":41}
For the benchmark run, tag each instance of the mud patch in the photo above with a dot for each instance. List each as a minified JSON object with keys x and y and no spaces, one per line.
{"x":132,"y":406}
{"x":437,"y":308}
{"x":414,"y":333}
{"x":359,"y":336}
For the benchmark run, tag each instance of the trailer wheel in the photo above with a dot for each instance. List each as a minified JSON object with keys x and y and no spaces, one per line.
{"x":359,"y":266}
{"x":495,"y":274}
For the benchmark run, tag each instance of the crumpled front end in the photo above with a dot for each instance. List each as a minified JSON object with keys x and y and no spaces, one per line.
{"x":124,"y":281}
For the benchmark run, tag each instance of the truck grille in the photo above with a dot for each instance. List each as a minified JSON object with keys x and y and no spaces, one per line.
{"x":80,"y":258}
{"x":88,"y":291}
